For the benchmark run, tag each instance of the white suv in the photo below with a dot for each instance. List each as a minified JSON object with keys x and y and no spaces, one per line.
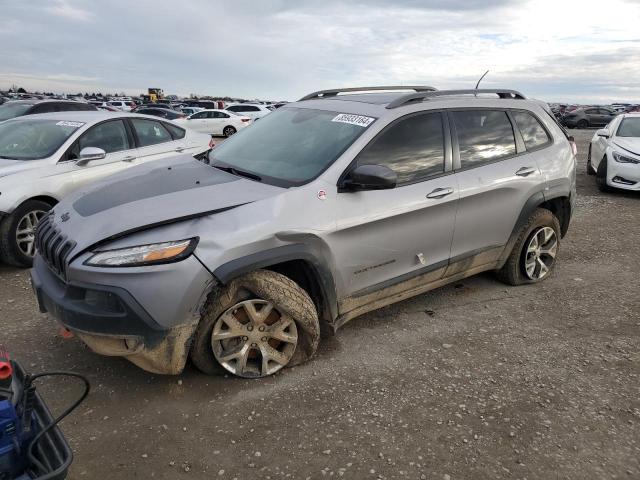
{"x":253,"y":110}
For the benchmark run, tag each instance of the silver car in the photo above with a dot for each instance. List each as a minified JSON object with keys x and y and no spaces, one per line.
{"x":45,"y":157}
{"x":328,"y":208}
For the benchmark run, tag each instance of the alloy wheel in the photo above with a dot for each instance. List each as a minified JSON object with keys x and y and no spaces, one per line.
{"x":253,"y":339}
{"x":26,"y":232}
{"x":540,"y":253}
{"x":228,"y":131}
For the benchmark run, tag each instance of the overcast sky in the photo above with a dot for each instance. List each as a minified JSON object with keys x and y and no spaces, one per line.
{"x":556,"y":50}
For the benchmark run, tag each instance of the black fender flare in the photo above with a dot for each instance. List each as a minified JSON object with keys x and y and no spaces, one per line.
{"x":534,"y":201}
{"x":296,"y":251}
{"x":529,"y":207}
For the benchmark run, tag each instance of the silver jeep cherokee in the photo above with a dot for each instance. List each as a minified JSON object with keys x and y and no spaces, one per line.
{"x":332,"y":206}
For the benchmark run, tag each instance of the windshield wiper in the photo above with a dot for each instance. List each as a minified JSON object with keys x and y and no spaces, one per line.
{"x":10,"y":158}
{"x":238,"y":172}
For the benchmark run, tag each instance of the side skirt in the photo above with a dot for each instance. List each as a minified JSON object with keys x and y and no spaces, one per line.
{"x":354,"y":306}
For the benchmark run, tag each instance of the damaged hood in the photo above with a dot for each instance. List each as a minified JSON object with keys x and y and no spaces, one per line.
{"x":161,"y":192}
{"x":630,"y":144}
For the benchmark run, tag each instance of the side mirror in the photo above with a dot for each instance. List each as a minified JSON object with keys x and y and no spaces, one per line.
{"x":603,"y":132}
{"x":370,"y":177}
{"x":88,"y":154}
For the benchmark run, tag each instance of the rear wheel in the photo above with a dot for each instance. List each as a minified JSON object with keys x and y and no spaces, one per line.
{"x":17,"y":233}
{"x":255,"y":326}
{"x":228,"y":131}
{"x":534,"y":254}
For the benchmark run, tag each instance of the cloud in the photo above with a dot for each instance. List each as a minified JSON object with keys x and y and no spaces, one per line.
{"x":280,"y":49}
{"x":64,"y":9}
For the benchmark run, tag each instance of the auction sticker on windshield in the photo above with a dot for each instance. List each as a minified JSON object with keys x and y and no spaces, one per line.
{"x":64,"y":123}
{"x":359,"y":120}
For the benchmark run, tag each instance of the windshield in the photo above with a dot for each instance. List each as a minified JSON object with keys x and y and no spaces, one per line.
{"x":12,"y":110}
{"x":291,"y":145}
{"x":629,"y":127}
{"x":33,"y":139}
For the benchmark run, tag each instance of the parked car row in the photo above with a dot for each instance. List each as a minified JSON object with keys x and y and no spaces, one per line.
{"x":588,"y":117}
{"x":577,"y":116}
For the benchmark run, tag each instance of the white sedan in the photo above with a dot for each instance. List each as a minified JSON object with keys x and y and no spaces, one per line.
{"x":45,"y":157}
{"x":614,"y":154}
{"x":214,"y":122}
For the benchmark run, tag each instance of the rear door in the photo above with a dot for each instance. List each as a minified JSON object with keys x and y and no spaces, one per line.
{"x":111,"y":136}
{"x":199,"y":122}
{"x":606,"y":116}
{"x":593,"y":116}
{"x":154,"y":140}
{"x":386,"y":236}
{"x":496,"y":177}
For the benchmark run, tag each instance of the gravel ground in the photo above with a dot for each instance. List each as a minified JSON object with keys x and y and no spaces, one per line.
{"x":475,"y":380}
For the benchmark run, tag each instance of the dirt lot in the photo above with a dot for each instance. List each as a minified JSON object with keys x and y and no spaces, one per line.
{"x":472,"y":381}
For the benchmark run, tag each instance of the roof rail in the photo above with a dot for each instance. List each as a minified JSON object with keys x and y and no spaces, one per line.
{"x":335,"y":91}
{"x":419,"y":96}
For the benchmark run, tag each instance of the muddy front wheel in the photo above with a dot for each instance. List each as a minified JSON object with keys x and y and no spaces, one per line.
{"x":255,"y":326}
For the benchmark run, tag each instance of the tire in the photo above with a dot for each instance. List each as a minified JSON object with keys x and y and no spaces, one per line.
{"x":228,"y":131}
{"x":11,"y":251}
{"x":514,"y":271}
{"x":601,"y":176}
{"x":290,"y":303}
{"x":590,"y":170}
{"x":582,"y":124}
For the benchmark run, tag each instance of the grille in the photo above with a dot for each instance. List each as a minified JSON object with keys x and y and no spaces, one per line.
{"x":53,"y":246}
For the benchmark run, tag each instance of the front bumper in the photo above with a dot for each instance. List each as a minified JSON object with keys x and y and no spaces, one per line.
{"x":112,"y":321}
{"x":625,"y":176}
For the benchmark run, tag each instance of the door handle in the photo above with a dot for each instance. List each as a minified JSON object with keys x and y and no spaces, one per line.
{"x":128,"y":159}
{"x":180,"y":149}
{"x":440,"y":192}
{"x":524,"y":171}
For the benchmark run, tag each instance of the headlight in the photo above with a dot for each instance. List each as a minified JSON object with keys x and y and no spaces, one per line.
{"x":624,"y":159}
{"x":141,"y":255}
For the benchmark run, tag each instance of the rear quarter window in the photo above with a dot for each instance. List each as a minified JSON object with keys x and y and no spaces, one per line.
{"x":532,"y":131}
{"x":176,"y":132}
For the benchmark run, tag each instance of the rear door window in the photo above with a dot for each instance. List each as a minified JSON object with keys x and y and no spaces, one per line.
{"x":484,"y":136}
{"x":150,"y":132}
{"x":533,"y":133}
{"x":413,"y":148}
